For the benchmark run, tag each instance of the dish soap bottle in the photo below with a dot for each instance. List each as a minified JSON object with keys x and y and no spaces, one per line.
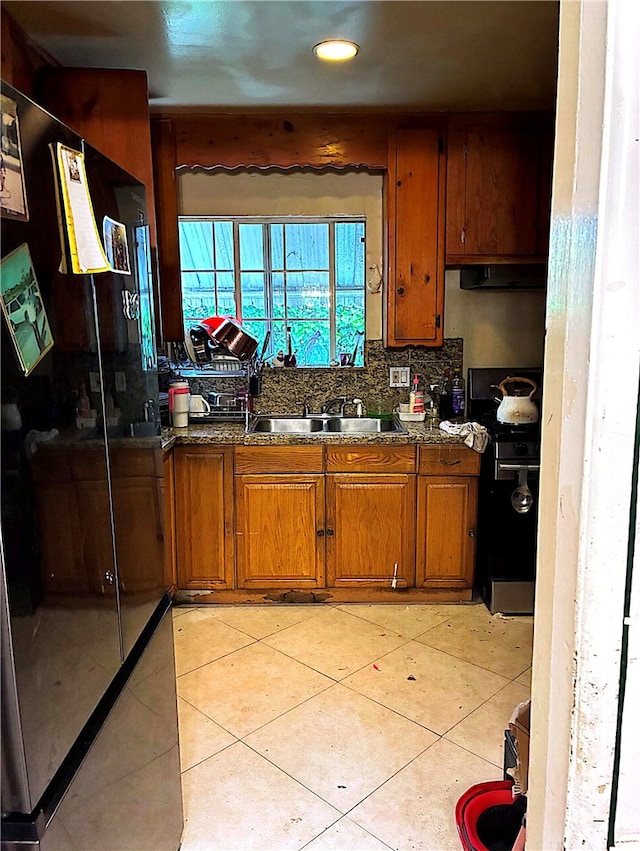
{"x":457,"y":394}
{"x":416,"y":398}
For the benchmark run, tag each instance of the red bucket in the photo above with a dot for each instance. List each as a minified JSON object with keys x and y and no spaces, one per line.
{"x":488,"y":817}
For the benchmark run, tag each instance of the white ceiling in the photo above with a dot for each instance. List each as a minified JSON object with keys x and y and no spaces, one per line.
{"x":216,"y":54}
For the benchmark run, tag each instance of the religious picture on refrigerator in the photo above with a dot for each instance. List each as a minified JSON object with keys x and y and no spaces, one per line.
{"x":23,"y":308}
{"x":115,"y":245}
{"x":13,"y":198}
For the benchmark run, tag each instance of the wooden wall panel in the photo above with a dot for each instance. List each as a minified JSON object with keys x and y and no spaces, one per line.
{"x":110,"y":109}
{"x":164,"y":159}
{"x":21,"y":59}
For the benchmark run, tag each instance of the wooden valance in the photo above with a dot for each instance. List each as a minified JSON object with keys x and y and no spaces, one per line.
{"x":287,"y":140}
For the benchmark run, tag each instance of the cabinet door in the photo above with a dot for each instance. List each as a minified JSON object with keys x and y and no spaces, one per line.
{"x":280,"y":531}
{"x":370,"y":529}
{"x":415,"y":291}
{"x":498,"y":189}
{"x":204,"y":516}
{"x":447,"y":510}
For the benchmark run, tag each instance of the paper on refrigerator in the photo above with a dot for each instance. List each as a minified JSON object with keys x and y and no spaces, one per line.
{"x":76,"y":216}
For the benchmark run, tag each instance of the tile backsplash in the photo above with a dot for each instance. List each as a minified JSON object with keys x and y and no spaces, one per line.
{"x":285,"y":389}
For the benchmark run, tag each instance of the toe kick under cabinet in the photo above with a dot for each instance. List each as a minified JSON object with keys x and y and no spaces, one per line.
{"x":307,"y":517}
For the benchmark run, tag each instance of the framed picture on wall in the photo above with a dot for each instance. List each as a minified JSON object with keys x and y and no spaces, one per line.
{"x":23,"y":308}
{"x":13,"y":197}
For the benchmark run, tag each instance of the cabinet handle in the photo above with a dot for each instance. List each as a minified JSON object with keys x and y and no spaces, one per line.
{"x":320,"y":533}
{"x":449,"y":463}
{"x":472,"y":533}
{"x":427,"y":278}
{"x":400,"y":290}
{"x":330,"y":532}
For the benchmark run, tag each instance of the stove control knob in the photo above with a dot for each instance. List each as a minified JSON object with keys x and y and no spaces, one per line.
{"x":520,"y":449}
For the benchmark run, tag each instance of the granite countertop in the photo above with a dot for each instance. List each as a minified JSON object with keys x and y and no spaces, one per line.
{"x":234,"y":434}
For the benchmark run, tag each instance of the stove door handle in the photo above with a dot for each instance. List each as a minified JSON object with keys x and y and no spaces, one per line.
{"x":517,"y":467}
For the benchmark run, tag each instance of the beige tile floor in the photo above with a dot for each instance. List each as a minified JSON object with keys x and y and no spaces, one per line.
{"x":341,"y":727}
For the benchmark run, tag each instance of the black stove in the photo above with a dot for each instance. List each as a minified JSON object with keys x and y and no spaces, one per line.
{"x":506,"y":536}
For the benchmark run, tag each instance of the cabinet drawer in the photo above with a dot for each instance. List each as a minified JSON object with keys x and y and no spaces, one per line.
{"x":445,"y":460}
{"x":371,"y":459}
{"x":279,"y":459}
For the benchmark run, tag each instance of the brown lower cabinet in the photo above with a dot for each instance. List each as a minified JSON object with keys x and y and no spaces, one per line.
{"x":204,"y":516}
{"x":447,"y":509}
{"x":280,"y":531}
{"x":371,"y":516}
{"x":370,"y":529}
{"x":309,"y":517}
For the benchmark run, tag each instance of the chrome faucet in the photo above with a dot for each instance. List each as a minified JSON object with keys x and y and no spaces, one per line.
{"x":327,"y":405}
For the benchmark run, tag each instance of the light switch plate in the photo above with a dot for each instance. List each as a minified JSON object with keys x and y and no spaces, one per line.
{"x":399,"y":376}
{"x":121,"y":382}
{"x":94,"y":382}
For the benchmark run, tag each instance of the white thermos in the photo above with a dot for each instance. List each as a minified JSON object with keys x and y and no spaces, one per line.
{"x":179,"y":403}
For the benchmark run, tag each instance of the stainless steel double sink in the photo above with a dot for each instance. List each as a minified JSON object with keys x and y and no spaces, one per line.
{"x":323,"y":425}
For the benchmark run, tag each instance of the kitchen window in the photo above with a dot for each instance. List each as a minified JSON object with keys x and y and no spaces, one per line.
{"x":299,"y":276}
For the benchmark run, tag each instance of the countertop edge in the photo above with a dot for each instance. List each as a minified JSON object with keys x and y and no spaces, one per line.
{"x":233,"y":434}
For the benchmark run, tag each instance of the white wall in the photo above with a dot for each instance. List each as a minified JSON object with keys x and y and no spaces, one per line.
{"x":503,"y":328}
{"x":498,"y":328}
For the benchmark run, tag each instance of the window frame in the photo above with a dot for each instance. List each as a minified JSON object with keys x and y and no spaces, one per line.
{"x":266,"y":222}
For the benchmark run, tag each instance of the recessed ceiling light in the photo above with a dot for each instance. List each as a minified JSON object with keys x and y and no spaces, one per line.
{"x":336,"y":50}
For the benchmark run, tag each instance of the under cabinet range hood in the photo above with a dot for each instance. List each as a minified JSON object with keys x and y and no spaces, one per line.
{"x":523,"y":276}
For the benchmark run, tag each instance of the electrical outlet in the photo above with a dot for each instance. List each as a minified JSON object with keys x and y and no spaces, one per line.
{"x":94,"y":382}
{"x":399,"y":376}
{"x":121,"y":382}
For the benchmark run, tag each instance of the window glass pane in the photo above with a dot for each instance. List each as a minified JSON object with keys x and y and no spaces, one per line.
{"x":253,"y":300}
{"x":307,"y":246}
{"x":350,"y":324}
{"x":308,"y":294}
{"x":277,"y":249}
{"x":226,"y":294}
{"x":196,"y":245}
{"x":198,"y":296}
{"x":278,"y":338}
{"x":350,"y":251}
{"x":258,"y":328}
{"x":251,"y":247}
{"x":311,"y":339}
{"x":223,"y":232}
{"x":277,"y":286}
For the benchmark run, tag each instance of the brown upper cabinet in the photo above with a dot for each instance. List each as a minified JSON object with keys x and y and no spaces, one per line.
{"x":415,"y":222}
{"x":498,"y":187}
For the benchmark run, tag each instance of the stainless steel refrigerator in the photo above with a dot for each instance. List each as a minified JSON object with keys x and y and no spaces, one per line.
{"x":90,"y":756}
